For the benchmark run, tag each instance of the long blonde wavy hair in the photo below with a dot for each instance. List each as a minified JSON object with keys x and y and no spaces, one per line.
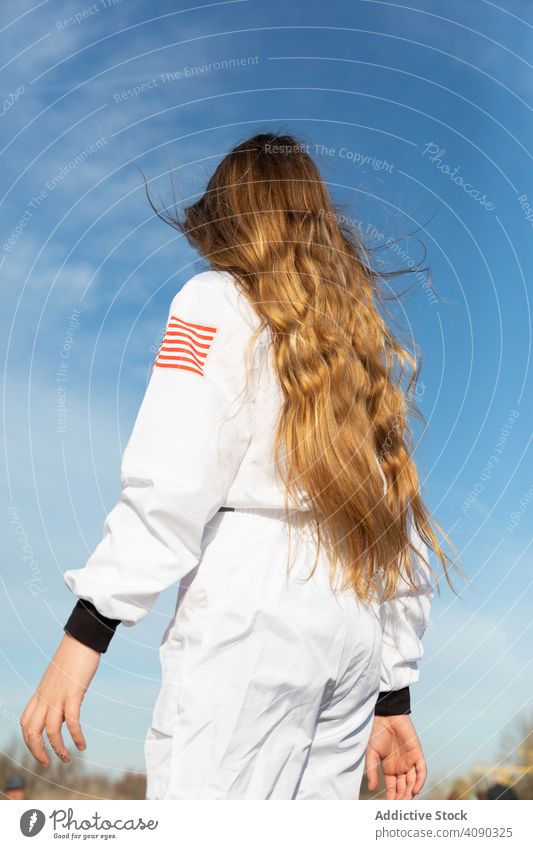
{"x":267,"y":217}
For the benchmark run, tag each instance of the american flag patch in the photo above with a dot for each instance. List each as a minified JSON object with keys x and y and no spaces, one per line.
{"x":185,"y":345}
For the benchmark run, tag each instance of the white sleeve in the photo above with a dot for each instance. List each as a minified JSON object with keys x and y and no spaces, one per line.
{"x":191,"y":432}
{"x":404,"y":620}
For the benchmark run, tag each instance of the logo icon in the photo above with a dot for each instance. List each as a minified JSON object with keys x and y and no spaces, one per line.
{"x":32,"y":822}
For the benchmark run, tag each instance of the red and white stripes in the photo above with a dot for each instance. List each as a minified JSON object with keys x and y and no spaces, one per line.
{"x":185,"y":345}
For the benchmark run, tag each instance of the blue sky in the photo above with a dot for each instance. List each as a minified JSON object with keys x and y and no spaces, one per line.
{"x":421,"y":118}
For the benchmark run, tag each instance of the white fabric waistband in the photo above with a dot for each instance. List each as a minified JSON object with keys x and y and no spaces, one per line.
{"x":295,"y":516}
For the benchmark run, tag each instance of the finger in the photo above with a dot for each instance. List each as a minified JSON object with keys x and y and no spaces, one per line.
{"x":400,"y":786}
{"x":72,"y":718}
{"x":32,"y":733}
{"x":421,"y":775}
{"x":371,"y":768}
{"x":28,"y":710}
{"x":390,"y":786}
{"x":54,"y":721}
{"x":410,"y":783}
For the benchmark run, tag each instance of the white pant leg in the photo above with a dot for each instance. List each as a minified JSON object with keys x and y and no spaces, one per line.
{"x":336,"y":761}
{"x":250,"y":665}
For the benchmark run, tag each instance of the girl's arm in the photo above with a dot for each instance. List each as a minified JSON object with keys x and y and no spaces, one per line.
{"x":187,"y":443}
{"x":393,"y":741}
{"x":191,"y":432}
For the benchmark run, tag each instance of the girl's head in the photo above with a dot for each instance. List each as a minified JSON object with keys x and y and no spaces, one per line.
{"x":267,"y":217}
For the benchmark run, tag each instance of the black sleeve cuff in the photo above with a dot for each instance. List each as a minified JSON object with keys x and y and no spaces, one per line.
{"x":90,"y":627}
{"x":393,"y":702}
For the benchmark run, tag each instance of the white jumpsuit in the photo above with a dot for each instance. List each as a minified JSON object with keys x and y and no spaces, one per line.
{"x":269,"y":680}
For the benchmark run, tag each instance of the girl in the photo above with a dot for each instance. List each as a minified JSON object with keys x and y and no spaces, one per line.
{"x":269,"y":472}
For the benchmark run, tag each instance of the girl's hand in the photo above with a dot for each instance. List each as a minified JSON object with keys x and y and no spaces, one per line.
{"x":393,"y":741}
{"x":58,"y":697}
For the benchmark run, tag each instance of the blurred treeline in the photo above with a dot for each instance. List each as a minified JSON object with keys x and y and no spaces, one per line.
{"x":67,"y":781}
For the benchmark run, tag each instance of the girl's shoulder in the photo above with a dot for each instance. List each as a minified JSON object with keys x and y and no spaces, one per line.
{"x":216,"y":295}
